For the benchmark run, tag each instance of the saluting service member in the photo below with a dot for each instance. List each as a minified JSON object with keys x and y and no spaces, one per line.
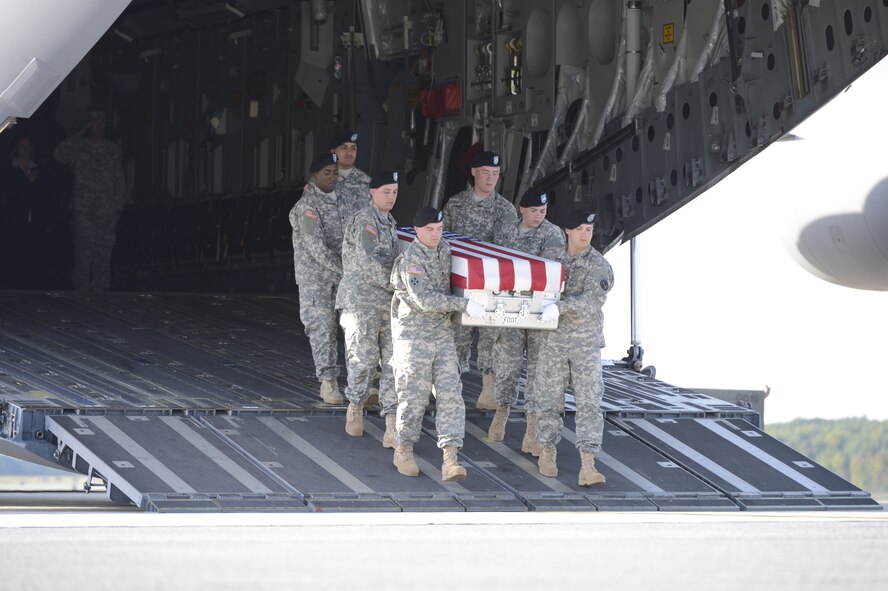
{"x":97,"y":201}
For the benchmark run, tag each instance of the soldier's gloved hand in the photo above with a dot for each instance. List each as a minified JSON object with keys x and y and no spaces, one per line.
{"x":474,"y":309}
{"x":550,"y":313}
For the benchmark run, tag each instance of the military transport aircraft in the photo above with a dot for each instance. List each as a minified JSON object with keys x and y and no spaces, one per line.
{"x":206,"y":401}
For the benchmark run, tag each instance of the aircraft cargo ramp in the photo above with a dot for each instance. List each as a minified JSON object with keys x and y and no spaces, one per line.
{"x":209,"y":403}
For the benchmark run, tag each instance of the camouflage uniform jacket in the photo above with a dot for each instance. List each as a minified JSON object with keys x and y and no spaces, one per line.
{"x":488,"y":219}
{"x":369,"y":249}
{"x":547,"y":237}
{"x":589,"y":278}
{"x":354,"y":188}
{"x":99,"y":184}
{"x":318,"y":220}
{"x":422,"y":302}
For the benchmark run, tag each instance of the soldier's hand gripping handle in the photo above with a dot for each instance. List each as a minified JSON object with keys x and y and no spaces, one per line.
{"x":550,"y":313}
{"x":474,"y":309}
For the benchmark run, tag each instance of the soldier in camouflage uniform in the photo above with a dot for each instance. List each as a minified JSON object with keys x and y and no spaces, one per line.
{"x":98,"y":198}
{"x":573,"y":351}
{"x":369,"y":249}
{"x":353,"y":183}
{"x":318,"y":220}
{"x":483,"y":214}
{"x":532,"y":234}
{"x":424,"y":354}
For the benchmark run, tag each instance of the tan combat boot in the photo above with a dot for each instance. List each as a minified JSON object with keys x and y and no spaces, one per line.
{"x":487,"y":400}
{"x":588,"y":474}
{"x":547,"y":462}
{"x":529,"y":444}
{"x":354,"y":420}
{"x":450,"y":469}
{"x":373,"y":399}
{"x":404,"y":460}
{"x":389,"y":439}
{"x":330,"y":392}
{"x":497,"y":431}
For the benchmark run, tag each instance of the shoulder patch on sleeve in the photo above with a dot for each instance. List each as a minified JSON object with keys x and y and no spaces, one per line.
{"x":415,"y":270}
{"x":604,"y":284}
{"x":369,"y":239}
{"x":310,"y":222}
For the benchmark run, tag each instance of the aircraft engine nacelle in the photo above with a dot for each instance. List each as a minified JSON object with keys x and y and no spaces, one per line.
{"x":41,"y":42}
{"x":838,"y":214}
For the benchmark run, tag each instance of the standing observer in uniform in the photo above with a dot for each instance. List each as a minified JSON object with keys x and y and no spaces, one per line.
{"x":369,"y":249}
{"x":353,"y":183}
{"x":532,"y":234}
{"x":318,"y":220}
{"x":97,"y":200}
{"x":424,"y":352}
{"x":26,"y":219}
{"x":572,"y":353}
{"x":481,"y":213}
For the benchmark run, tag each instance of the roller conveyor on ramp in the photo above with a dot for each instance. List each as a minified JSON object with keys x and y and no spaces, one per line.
{"x":209,"y":403}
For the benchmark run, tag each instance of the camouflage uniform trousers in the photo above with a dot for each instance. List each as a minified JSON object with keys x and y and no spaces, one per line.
{"x":508,"y":357}
{"x":463,"y":337}
{"x":93,"y":238}
{"x":582,"y":366}
{"x":368,"y":345}
{"x":422,"y":363}
{"x":318,"y":314}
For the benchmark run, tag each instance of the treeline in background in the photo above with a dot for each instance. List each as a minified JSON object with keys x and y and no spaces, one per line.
{"x":855,"y":448}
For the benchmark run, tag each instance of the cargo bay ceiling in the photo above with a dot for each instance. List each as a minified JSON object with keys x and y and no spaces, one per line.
{"x":629,"y":108}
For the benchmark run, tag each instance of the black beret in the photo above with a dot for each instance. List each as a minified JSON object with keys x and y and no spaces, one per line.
{"x":426,"y":216}
{"x":383,"y":177}
{"x":534,"y":198}
{"x":577,"y":218}
{"x":344,"y":137}
{"x":486,"y":159}
{"x":322,"y":160}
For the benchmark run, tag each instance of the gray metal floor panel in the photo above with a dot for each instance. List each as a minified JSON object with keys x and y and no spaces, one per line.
{"x":161,"y":455}
{"x":751,"y":467}
{"x":209,"y":403}
{"x":197,"y":368}
{"x":121,"y":350}
{"x":316,"y":455}
{"x":790,"y":457}
{"x":629,"y":393}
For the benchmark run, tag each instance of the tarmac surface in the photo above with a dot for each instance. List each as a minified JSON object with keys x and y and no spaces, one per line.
{"x":44,"y":545}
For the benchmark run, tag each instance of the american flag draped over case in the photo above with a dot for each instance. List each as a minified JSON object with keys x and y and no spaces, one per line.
{"x":512,"y":285}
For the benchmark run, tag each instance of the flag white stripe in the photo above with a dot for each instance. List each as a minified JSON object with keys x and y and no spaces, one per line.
{"x":492,"y":275}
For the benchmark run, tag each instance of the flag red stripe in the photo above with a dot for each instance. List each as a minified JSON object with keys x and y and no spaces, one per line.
{"x":537,"y":266}
{"x":538,"y":276}
{"x":506,"y":265}
{"x":475,"y":252}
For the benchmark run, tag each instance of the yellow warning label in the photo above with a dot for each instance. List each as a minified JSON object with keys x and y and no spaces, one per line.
{"x":668,"y":33}
{"x":39,"y":394}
